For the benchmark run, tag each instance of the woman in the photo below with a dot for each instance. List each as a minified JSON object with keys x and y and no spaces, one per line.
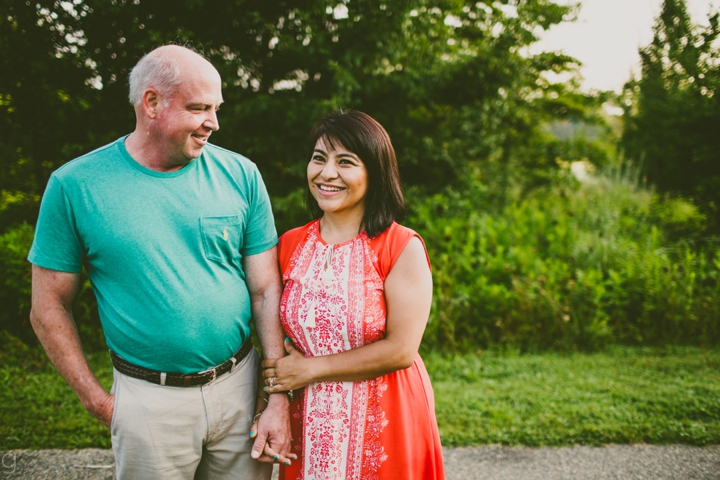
{"x":356,"y":299}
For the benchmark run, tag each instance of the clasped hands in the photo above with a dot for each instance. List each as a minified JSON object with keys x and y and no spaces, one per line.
{"x":280,"y":375}
{"x":288,"y":373}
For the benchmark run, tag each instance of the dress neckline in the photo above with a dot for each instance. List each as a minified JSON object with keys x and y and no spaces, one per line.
{"x":334,"y":245}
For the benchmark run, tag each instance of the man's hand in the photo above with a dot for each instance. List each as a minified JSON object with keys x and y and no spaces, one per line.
{"x":272,"y":433}
{"x":51,"y":317}
{"x":272,"y":430}
{"x":103,"y":409}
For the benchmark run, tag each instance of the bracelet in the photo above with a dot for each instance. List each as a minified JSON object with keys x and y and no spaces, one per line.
{"x":257,"y":415}
{"x":290,"y":395}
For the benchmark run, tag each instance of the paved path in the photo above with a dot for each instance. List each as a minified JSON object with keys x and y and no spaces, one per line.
{"x":618,"y":462}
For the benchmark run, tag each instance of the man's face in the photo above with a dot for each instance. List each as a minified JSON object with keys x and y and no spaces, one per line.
{"x":188,"y":117}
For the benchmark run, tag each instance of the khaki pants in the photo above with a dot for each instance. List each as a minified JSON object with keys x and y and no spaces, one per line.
{"x":201,"y":432}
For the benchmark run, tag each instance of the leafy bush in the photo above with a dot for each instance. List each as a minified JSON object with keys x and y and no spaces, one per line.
{"x":15,"y":293}
{"x":575,"y":267}
{"x":17,"y":207}
{"x":15,"y":281}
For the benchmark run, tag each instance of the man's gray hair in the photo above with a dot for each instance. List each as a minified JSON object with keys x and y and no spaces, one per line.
{"x":153,"y":70}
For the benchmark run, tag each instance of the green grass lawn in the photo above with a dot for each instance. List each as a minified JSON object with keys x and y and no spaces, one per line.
{"x":619,"y":396}
{"x":622,"y":395}
{"x":38,"y":409}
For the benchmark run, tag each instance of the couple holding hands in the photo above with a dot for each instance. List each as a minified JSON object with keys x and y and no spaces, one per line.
{"x":178,"y":239}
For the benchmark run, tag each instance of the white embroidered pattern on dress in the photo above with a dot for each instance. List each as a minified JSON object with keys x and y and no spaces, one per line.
{"x":332,"y":302}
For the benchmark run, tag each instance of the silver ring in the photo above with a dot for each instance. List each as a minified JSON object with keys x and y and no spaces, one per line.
{"x":272,"y":381}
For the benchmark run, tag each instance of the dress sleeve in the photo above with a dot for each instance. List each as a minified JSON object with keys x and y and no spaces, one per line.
{"x":390,"y":244}
{"x":287,"y":244}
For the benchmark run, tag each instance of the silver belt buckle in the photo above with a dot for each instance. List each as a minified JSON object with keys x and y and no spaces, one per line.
{"x":210,"y":370}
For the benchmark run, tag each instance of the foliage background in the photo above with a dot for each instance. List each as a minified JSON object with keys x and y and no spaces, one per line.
{"x":526,"y":257}
{"x":672,"y":110}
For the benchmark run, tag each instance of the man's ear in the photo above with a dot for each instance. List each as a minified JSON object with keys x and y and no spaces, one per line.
{"x":151,"y":102}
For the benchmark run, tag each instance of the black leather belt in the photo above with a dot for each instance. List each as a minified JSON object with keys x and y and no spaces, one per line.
{"x":173,"y":379}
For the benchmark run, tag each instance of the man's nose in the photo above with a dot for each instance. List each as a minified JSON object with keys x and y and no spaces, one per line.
{"x":211,"y":121}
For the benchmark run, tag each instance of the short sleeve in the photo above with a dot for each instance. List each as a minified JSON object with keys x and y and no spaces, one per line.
{"x":56,"y":245}
{"x":288,"y":243}
{"x":260,"y":234}
{"x":390,"y":244}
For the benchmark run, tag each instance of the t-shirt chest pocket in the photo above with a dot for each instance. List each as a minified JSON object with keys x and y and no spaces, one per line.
{"x":222,"y":238}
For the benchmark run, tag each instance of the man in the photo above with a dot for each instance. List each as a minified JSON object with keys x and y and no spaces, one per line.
{"x":178,"y":239}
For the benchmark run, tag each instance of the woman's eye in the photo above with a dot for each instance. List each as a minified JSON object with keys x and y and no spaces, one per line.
{"x":317,"y":158}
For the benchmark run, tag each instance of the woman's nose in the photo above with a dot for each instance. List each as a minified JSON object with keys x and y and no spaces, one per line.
{"x":329,"y":170}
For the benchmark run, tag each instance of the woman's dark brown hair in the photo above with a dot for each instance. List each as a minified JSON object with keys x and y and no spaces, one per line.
{"x":360,"y":134}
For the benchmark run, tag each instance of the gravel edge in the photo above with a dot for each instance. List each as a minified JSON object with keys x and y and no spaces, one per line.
{"x":614,"y":462}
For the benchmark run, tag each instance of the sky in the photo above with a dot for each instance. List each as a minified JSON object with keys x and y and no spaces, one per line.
{"x":607,"y":34}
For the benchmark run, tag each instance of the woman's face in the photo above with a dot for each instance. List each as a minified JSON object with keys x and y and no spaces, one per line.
{"x":337,"y":179}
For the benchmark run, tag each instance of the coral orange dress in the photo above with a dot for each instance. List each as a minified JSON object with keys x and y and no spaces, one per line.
{"x":333,"y":300}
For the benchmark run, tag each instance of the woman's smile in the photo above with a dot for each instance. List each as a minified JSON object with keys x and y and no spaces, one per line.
{"x":329,"y":189}
{"x":337,"y":179}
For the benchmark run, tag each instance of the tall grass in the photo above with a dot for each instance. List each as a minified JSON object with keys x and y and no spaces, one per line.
{"x":577,"y":266}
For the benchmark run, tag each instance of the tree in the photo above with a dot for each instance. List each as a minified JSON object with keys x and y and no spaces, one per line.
{"x":450,"y":79}
{"x":672,"y":114}
{"x":64,"y":69}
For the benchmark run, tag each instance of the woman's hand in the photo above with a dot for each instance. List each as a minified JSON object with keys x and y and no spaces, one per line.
{"x":287,"y":373}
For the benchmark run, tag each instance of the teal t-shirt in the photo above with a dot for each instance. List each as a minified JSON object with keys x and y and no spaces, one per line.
{"x":163,"y":250}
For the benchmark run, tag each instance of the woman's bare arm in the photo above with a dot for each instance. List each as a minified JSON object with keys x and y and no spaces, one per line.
{"x":408,"y":293}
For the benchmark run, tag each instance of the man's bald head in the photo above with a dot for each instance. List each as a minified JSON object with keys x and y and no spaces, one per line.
{"x":162,"y":69}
